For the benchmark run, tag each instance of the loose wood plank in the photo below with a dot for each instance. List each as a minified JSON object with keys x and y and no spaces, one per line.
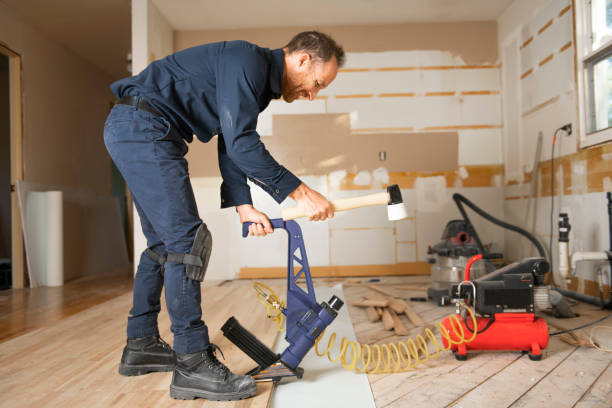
{"x":370,"y":303}
{"x":412,"y":314}
{"x":387,"y":319}
{"x":373,"y":315}
{"x":398,"y":326}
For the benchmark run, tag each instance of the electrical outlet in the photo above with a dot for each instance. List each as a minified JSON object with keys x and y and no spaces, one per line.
{"x":572,"y":222}
{"x":567,"y":129}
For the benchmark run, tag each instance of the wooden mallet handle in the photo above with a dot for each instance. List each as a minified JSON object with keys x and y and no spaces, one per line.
{"x":388,"y":197}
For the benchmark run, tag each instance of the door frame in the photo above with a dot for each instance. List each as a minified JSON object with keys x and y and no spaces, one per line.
{"x":16,"y":119}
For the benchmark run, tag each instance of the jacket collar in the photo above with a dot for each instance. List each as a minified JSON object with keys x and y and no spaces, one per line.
{"x":276,"y":73}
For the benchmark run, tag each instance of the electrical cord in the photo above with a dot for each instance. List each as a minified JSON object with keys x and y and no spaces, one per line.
{"x":580,"y":327}
{"x":597,"y":345}
{"x":489,"y":323}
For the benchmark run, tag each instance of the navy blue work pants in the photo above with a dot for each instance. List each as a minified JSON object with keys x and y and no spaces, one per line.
{"x":149,"y":153}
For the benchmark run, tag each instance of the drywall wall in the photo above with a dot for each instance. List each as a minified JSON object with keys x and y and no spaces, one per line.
{"x":152,"y":36}
{"x":474,"y":42}
{"x":160,"y":34}
{"x":541,"y":34}
{"x":437,"y":119}
{"x":435,"y":81}
{"x":65,"y":103}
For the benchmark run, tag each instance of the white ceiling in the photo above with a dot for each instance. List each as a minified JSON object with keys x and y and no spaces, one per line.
{"x":99,"y":30}
{"x":215,"y":14}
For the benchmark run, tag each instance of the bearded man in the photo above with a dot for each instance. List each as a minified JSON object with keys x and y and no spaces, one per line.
{"x":210,"y":90}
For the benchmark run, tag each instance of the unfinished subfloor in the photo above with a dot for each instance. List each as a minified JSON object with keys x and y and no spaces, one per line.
{"x":70,"y":358}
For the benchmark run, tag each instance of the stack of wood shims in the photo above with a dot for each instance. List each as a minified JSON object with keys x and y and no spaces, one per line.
{"x":388,"y":308}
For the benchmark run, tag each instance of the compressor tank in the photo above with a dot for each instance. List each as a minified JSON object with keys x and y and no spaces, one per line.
{"x":509,"y":331}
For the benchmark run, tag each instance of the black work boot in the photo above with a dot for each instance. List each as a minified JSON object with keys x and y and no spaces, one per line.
{"x":201,"y":375}
{"x":146,"y":355}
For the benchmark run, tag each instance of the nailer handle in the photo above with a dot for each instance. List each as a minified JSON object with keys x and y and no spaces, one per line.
{"x":276,"y":223}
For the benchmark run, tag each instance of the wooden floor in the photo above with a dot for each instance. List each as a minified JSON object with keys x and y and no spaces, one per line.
{"x":23,"y":310}
{"x":69,"y":357}
{"x":73,"y":362}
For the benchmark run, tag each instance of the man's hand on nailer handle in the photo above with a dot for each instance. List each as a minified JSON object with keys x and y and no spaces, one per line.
{"x":316,"y":207}
{"x":261,"y":224}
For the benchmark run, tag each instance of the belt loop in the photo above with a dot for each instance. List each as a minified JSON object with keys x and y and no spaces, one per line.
{"x":136,"y":102}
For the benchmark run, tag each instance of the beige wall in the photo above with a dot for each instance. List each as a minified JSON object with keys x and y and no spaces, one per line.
{"x":475,"y":42}
{"x":65,"y":102}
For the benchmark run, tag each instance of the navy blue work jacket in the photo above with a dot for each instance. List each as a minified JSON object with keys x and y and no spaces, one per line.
{"x":220,"y":89}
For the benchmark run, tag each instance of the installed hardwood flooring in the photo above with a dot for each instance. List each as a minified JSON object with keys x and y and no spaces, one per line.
{"x":24,"y":310}
{"x":73,"y":362}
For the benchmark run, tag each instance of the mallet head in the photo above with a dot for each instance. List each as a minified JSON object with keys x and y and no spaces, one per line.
{"x":395,"y":207}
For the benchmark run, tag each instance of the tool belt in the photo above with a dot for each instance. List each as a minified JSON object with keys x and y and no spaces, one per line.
{"x":139,"y":103}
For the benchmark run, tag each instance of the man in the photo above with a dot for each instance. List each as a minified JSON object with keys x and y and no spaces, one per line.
{"x":215,"y":89}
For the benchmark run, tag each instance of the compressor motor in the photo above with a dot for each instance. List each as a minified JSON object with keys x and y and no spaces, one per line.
{"x":505,"y":301}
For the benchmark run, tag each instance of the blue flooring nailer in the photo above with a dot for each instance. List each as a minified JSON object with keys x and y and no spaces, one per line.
{"x":305,"y":318}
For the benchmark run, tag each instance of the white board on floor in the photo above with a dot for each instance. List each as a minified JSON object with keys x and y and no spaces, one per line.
{"x":325,"y":384}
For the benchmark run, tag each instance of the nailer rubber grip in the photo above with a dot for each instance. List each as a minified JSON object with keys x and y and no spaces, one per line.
{"x":276,"y":223}
{"x":248,"y":343}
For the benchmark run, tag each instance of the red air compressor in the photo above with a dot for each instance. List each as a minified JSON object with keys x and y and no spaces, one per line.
{"x":504,"y":300}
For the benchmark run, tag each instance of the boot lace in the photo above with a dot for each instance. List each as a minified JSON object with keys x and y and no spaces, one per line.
{"x":164,"y":344}
{"x":213,"y":362}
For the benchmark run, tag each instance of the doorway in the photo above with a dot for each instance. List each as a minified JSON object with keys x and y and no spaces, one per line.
{"x":5,"y":175}
{"x":11,"y":170}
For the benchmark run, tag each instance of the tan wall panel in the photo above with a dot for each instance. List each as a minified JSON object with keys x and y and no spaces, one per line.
{"x":311,"y":144}
{"x":475,"y":42}
{"x":406,"y":151}
{"x":322,"y":143}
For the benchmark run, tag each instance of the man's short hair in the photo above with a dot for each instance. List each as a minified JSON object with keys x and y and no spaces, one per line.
{"x":318,"y":45}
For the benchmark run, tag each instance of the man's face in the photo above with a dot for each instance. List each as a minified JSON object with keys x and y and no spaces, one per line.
{"x":305,"y":77}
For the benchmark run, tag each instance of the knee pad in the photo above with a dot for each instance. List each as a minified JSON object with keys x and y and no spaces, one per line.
{"x":196,"y":260}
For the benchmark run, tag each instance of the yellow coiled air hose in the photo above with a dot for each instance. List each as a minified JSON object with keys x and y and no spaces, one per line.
{"x":378,"y":359}
{"x":272,"y":303}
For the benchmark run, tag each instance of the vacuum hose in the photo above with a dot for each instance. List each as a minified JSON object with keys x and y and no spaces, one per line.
{"x":459,"y":199}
